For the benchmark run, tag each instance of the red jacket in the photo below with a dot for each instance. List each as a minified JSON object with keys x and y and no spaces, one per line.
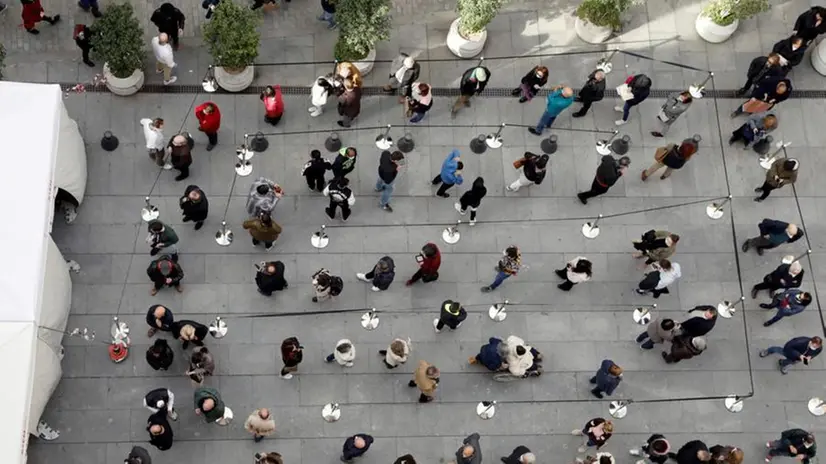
{"x":431,"y":265}
{"x":209,"y":122}
{"x":32,"y":11}
{"x":274,"y":105}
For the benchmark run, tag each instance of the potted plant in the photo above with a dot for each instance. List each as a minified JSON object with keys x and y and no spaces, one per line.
{"x":361,"y":24}
{"x":719,"y":18}
{"x":596,"y":20}
{"x":467,"y":34}
{"x":117,"y":40}
{"x":232,"y":37}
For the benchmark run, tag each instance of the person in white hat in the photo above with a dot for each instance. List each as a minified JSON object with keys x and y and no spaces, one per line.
{"x":473,"y":82}
{"x":404,"y":71}
{"x":161,"y":399}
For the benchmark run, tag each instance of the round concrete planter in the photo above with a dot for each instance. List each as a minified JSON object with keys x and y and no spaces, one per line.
{"x":234,"y":81}
{"x":465,"y":47}
{"x":591,"y":33}
{"x":819,"y":57}
{"x":366,"y":65}
{"x":713,"y":32}
{"x":123,"y":86}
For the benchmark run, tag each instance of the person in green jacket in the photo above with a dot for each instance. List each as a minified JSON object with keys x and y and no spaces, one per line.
{"x":208,"y":404}
{"x":162,"y":240}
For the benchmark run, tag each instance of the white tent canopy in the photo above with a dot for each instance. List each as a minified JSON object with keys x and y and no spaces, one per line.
{"x":35,"y":131}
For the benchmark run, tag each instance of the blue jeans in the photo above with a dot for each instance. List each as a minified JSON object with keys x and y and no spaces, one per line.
{"x":625,"y":110}
{"x":89,"y":4}
{"x":386,"y":191}
{"x":779,"y":350}
{"x":329,"y":17}
{"x":417,"y":117}
{"x":500,"y":277}
{"x":546,"y":120}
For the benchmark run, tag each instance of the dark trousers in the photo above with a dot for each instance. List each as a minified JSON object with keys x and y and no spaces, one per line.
{"x":212,"y":137}
{"x":256,"y":242}
{"x":586,"y":105}
{"x":256,"y":4}
{"x":765,"y":190}
{"x":442,"y":323}
{"x":85,"y":52}
{"x":760,"y":243}
{"x":597,"y":189}
{"x":160,"y":285}
{"x":273,"y":121}
{"x":442,"y":188}
{"x":747,"y":85}
{"x":316,"y":182}
{"x":464,"y":205}
{"x":184,"y":172}
{"x":766,"y":286}
{"x":289,"y":368}
{"x":345,"y":210}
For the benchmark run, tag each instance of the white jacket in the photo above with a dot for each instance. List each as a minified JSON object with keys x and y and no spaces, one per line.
{"x":668,"y":277}
{"x":518,"y":365}
{"x":163,"y":53}
{"x":392,"y":359}
{"x":318,"y":93}
{"x":576,"y":277}
{"x":345,"y":359}
{"x":154,"y":137}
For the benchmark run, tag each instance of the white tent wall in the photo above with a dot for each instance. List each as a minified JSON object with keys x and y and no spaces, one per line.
{"x":17,"y":352}
{"x":70,"y":167}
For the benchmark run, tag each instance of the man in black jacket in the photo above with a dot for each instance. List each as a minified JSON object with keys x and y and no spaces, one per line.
{"x":533,"y":171}
{"x":773,"y":233}
{"x":138,"y":455}
{"x":388,"y":169}
{"x":159,"y":317}
{"x":699,"y":326}
{"x":314,"y":171}
{"x":355,"y":446}
{"x":451,"y":314}
{"x":169,"y":20}
{"x":794,"y":443}
{"x":340,"y":196}
{"x":693,"y":452}
{"x":164,"y":272}
{"x":194,"y":206}
{"x":159,"y":356}
{"x":520,"y":455}
{"x":161,"y":399}
{"x":473,"y":82}
{"x":761,"y":68}
{"x":270,"y":277}
{"x":608,"y":173}
{"x":592,"y":91}
{"x":784,"y":276}
{"x":160,"y":433}
{"x":83,"y":37}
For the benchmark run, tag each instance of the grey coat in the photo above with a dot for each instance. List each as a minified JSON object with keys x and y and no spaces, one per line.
{"x":673,"y":107}
{"x":657,"y":334}
{"x":409,"y":76}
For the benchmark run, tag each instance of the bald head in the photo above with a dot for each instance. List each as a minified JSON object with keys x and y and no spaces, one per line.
{"x":160,"y":311}
{"x":467,"y":451}
{"x":567,"y":92}
{"x":155,"y":429}
{"x":791,"y":230}
{"x":163,"y":38}
{"x":359,"y":442}
{"x":208,"y":404}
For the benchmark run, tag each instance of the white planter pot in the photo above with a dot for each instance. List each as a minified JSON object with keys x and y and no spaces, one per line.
{"x":123,"y":86}
{"x":465,"y":47}
{"x":713,"y":32}
{"x":819,"y":57}
{"x":366,"y":65}
{"x":234,"y":82}
{"x":591,"y":33}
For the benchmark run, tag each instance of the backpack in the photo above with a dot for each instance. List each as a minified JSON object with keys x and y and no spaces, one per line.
{"x":336,"y":285}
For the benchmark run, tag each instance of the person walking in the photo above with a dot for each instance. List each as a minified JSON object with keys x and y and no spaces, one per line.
{"x":340,"y":196}
{"x":726,"y":454}
{"x":263,"y":196}
{"x":693,"y":452}
{"x":607,"y":379}
{"x":388,"y":170}
{"x":635,"y":90}
{"x":534,"y":167}
{"x":471,"y":451}
{"x":472,"y":199}
{"x":164,"y":58}
{"x":662,"y":274}
{"x":201,"y":365}
{"x":531,"y":83}
{"x":450,"y":174}
{"x":655,"y":245}
{"x":322,"y":88}
{"x":675,"y":104}
{"x":138,"y":455}
{"x":345,"y":162}
{"x":273,"y":104}
{"x":260,"y":424}
{"x":656,"y":449}
{"x":404,"y":71}
{"x":189,"y":331}
{"x":419,"y":102}
{"x":596,"y":433}
{"x":328,"y":13}
{"x":557,"y":101}
{"x":83,"y":40}
{"x":782,"y":172}
{"x":33,"y":13}
{"x":153,"y":133}
{"x":429,"y":260}
{"x":169,"y":20}
{"x":773,"y":233}
{"x":291,"y":353}
{"x":268,"y":458}
{"x":344,"y":354}
{"x":671,"y":157}
{"x":491,"y":355}
{"x":159,"y":356}
{"x":396,"y":354}
{"x":608,"y":173}
{"x":164,"y":272}
{"x":326,"y":285}
{"x":210,"y":406}
{"x":90,"y":6}
{"x":791,"y":51}
{"x":593,"y":91}
{"x":520,"y":455}
{"x":659,"y":330}
{"x":355,"y":446}
{"x":794,"y":443}
{"x":575,"y":271}
{"x":406,"y":459}
{"x":209,"y":121}
{"x":684,"y":347}
{"x":162,"y":239}
{"x":798,"y":349}
{"x":508,"y":266}
{"x":701,"y":325}
{"x":810,"y":24}
{"x":765,"y":96}
{"x":382,"y":274}
{"x":788,"y":303}
{"x":784,"y":276}
{"x":194,"y":206}
{"x":269,"y":277}
{"x":159,"y":317}
{"x":161,"y":399}
{"x":349,"y":103}
{"x":180,"y":154}
{"x":160,"y":433}
{"x":472,"y":83}
{"x":263,"y":229}
{"x":426,"y":379}
{"x":755,"y":129}
{"x":314,"y":171}
{"x":451,"y":314}
{"x":762,"y":67}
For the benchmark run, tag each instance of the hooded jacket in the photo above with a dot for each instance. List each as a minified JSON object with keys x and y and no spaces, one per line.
{"x":785,"y":49}
{"x":576,"y":277}
{"x":154,"y":272}
{"x":778,"y":176}
{"x":476,"y":458}
{"x":698,"y":326}
{"x":533,"y":82}
{"x":168,"y":19}
{"x":343,"y":164}
{"x":202,"y":394}
{"x":392,"y":359}
{"x":271,"y":282}
{"x":451,"y":319}
{"x":658,"y":334}
{"x":316,"y":167}
{"x":687,"y":454}
{"x":518,"y":365}
{"x":649,"y":449}
{"x":387,"y":168}
{"x":257,"y":203}
{"x":674,"y":107}
{"x":806,"y":26}
{"x":593,"y":90}
{"x":449,"y":167}
{"x":163,"y":441}
{"x":605,"y":380}
{"x":384,"y":272}
{"x":262,"y":231}
{"x":473,"y":197}
{"x":469,"y":85}
{"x":491,"y":355}
{"x":346,"y":358}
{"x":682,"y":347}
{"x":194,"y":210}
{"x":532,"y":172}
{"x":164,"y":358}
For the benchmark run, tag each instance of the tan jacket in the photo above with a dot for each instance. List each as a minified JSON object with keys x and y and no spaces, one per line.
{"x":777,"y":176}
{"x":660,"y":254}
{"x":426,"y":384}
{"x":258,"y":426}
{"x":261,"y":232}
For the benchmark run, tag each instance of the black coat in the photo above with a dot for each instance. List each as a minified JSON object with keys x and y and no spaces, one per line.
{"x":698,"y":326}
{"x":767,"y":90}
{"x":387,"y":168}
{"x":164,"y":358}
{"x":473,"y":197}
{"x":140,"y":453}
{"x":349,"y":450}
{"x":472,"y":87}
{"x":194,"y":211}
{"x":516,"y":454}
{"x":316,"y":168}
{"x":168,"y":19}
{"x":758,"y":70}
{"x":201,"y":330}
{"x":784,"y":49}
{"x":166,"y":321}
{"x":782,"y":273}
{"x":163,"y":441}
{"x":531,"y":81}
{"x":805,"y":24}
{"x":269,"y":283}
{"x":84,"y":43}
{"x":641,"y":87}
{"x":451,"y":320}
{"x":608,"y":171}
{"x":155,"y":275}
{"x":593,"y":90}
{"x":688,"y":453}
{"x":530,"y":169}
{"x":338,"y":165}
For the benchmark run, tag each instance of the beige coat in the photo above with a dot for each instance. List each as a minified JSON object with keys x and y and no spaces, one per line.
{"x":662,"y":253}
{"x":258,"y":426}
{"x":425,"y":383}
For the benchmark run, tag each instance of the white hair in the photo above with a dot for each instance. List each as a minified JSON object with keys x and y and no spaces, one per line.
{"x":528,"y":458}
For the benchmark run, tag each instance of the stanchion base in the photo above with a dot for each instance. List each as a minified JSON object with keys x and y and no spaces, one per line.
{"x":406,"y":145}
{"x":245,"y":154}
{"x":603,"y":148}
{"x":243,"y":169}
{"x":618,"y":409}
{"x":320,"y":240}
{"x":150,"y":213}
{"x":590,"y":231}
{"x":485,"y":410}
{"x":44,"y":432}
{"x":714,"y":211}
{"x":816,"y":406}
{"x":724,"y":310}
{"x":451,"y":235}
{"x":384,"y":143}
{"x":332,"y":145}
{"x":259,"y":144}
{"x":642,"y":316}
{"x":478,"y":146}
{"x":224,"y":237}
{"x":493,"y":142}
{"x":548,"y":146}
{"x":696,"y":92}
{"x":209,"y":85}
{"x":218,"y":329}
{"x":369,"y":321}
{"x":331,"y":412}
{"x":733,"y":403}
{"x":117,"y":353}
{"x":497,"y":313}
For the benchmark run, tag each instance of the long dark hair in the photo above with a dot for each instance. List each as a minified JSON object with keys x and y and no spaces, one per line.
{"x":583,"y":266}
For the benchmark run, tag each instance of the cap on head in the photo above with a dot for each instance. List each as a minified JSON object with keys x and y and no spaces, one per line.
{"x":409,"y":62}
{"x":480,"y":75}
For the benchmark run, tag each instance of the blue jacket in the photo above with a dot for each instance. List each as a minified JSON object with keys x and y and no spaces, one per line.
{"x":606,"y":381}
{"x":449,"y":168}
{"x":557,"y":103}
{"x":797,"y":347}
{"x":793,"y":307}
{"x":489,"y":354}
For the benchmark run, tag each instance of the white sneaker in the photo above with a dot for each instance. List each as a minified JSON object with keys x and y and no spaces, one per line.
{"x":375,"y":289}
{"x":576,"y":432}
{"x":315,"y":114}
{"x":508,"y":188}
{"x":458,"y":208}
{"x":171,"y":80}
{"x":361,"y":277}
{"x":435,"y":323}
{"x":173,"y":415}
{"x":581,"y":449}
{"x":472,"y":222}
{"x":634,"y":452}
{"x":620,"y":122}
{"x":287,"y":376}
{"x":618,"y":108}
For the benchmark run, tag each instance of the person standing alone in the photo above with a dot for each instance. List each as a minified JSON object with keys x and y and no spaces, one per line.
{"x":209,"y":121}
{"x":559,"y":99}
{"x":449,"y":175}
{"x":314,"y":171}
{"x":164,"y":58}
{"x":388,"y":169}
{"x":608,"y":173}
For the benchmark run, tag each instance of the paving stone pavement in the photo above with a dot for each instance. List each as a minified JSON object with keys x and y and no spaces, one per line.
{"x":97,"y":405}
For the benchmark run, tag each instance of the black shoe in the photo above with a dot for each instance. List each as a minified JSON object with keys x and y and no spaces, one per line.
{"x":766,"y":306}
{"x":198,"y":225}
{"x":533,"y":131}
{"x":341,"y":124}
{"x":523,"y":99}
{"x":210,"y":147}
{"x":504,"y":460}
{"x":562,"y":273}
{"x":745,"y":247}
{"x":387,"y":208}
{"x":578,"y":115}
{"x":52,"y":20}
{"x":444,"y":195}
{"x":89,"y":64}
{"x":593,"y":380}
{"x":382,"y":352}
{"x":597,"y":393}
{"x":741,"y":92}
{"x":181,"y":177}
{"x":516,"y":91}
{"x":758,"y":189}
{"x":759,"y":199}
{"x":315,"y":299}
{"x":656,"y":134}
{"x":759,"y":252}
{"x":411,"y":384}
{"x":767,"y":323}
{"x":96,"y":13}
{"x":582,"y":199}
{"x":754,"y":291}
{"x":264,"y":293}
{"x":33,"y":31}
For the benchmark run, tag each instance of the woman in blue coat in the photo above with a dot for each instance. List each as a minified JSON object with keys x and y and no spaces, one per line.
{"x":607,"y":378}
{"x":490,"y":355}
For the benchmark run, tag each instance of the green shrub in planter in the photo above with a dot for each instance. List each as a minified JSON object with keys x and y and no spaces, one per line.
{"x":118,"y":40}
{"x":604,"y":13}
{"x":475,"y":15}
{"x":232,"y":35}
{"x":361,"y":24}
{"x":725,"y":12}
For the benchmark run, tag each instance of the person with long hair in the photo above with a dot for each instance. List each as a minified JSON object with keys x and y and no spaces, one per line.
{"x":577,"y":270}
{"x":671,"y":157}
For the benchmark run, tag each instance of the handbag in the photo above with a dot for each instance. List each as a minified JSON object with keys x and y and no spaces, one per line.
{"x":519,"y":163}
{"x":661,"y":153}
{"x":662,"y":116}
{"x":625,"y":92}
